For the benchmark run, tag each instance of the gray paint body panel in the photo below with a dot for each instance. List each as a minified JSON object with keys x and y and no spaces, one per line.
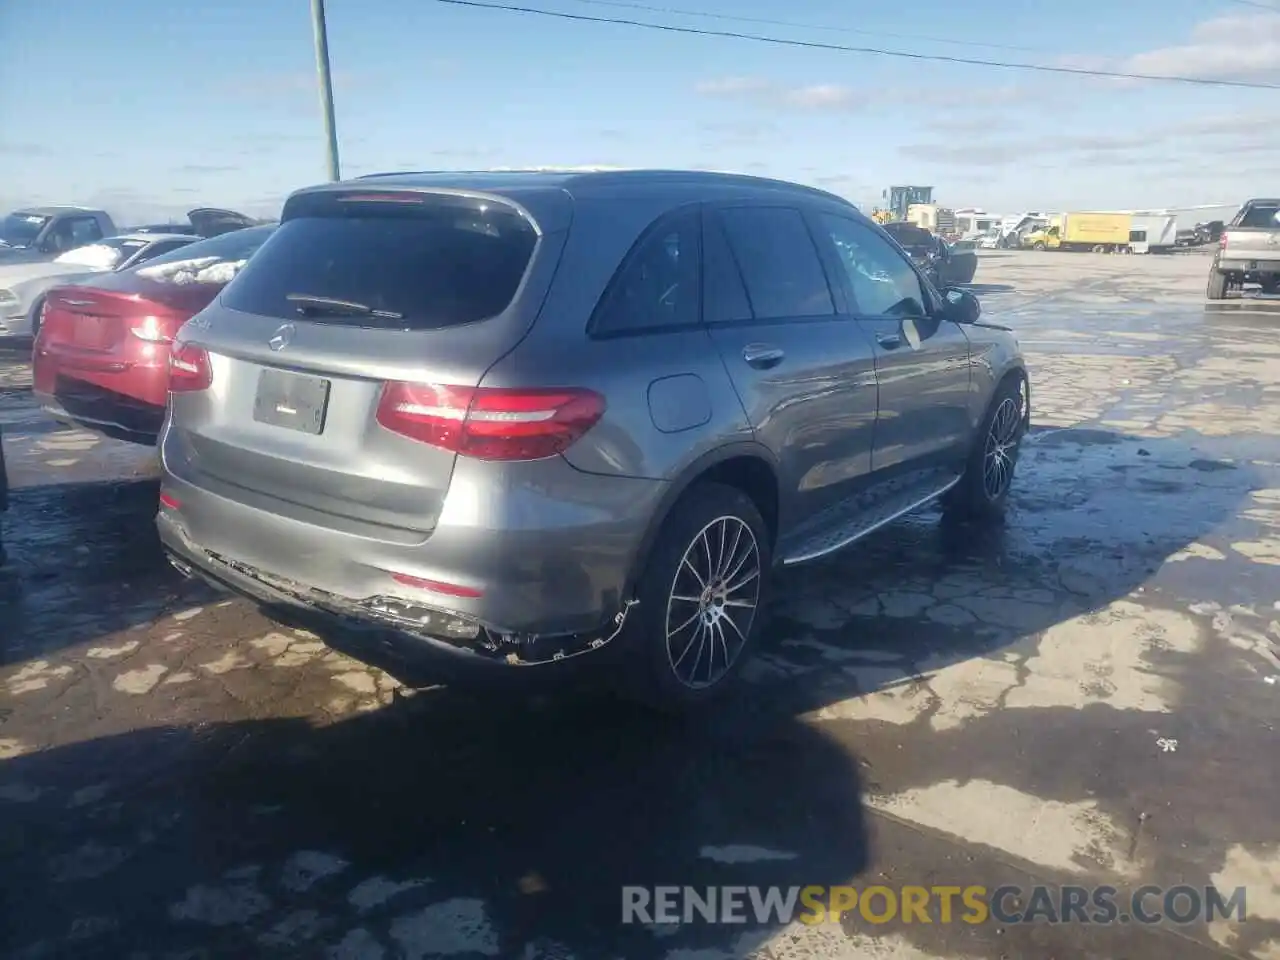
{"x":551,"y":545}
{"x":679,"y":403}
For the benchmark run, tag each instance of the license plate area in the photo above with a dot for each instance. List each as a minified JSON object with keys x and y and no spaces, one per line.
{"x":291,"y":400}
{"x":94,"y":333}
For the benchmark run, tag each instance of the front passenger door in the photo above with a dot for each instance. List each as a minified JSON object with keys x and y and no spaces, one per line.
{"x":922,"y":360}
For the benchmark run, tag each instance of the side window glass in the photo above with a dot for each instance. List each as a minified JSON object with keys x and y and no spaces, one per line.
{"x":725,"y":298}
{"x":156,"y":250}
{"x":881,"y":279}
{"x":84,"y":230}
{"x":779,"y":262}
{"x":657,"y":286}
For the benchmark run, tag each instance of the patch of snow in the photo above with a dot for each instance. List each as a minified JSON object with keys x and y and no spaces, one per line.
{"x":97,"y":256}
{"x":195,"y":270}
{"x":378,"y":890}
{"x":454,"y":926}
{"x":304,"y":869}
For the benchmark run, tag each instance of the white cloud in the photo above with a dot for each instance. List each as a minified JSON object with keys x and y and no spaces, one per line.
{"x":733,"y":86}
{"x":766,"y":93}
{"x":1236,"y":47}
{"x":557,"y":168}
{"x":825,"y":96}
{"x":1228,"y":139}
{"x":837,"y":97}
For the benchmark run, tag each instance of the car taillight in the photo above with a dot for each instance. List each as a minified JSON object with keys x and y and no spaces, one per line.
{"x":189,"y":369}
{"x":152,"y":330}
{"x":490,"y":423}
{"x":1222,"y":242}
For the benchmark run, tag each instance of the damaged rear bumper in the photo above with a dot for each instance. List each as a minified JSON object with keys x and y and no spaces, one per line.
{"x":418,"y":645}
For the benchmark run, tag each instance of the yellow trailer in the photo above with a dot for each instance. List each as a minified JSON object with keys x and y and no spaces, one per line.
{"x":1098,"y":232}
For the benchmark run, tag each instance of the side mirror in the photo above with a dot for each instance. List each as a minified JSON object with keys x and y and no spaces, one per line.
{"x":961,"y":305}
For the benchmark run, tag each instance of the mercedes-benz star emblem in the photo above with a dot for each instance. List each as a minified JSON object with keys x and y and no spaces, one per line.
{"x":280,"y":339}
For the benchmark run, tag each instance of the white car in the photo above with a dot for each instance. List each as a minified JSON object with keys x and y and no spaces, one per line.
{"x":23,"y":285}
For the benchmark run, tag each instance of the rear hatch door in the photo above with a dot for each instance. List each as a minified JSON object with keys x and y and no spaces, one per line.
{"x":1254,"y":235}
{"x":356,"y":290}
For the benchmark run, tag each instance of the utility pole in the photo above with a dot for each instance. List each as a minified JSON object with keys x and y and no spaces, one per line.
{"x":326,"y":85}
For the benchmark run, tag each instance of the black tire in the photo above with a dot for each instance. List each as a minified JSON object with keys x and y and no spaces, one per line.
{"x":34,"y":317}
{"x":1218,"y":285}
{"x":974,"y":498}
{"x":658,"y":677}
{"x":1038,"y":245}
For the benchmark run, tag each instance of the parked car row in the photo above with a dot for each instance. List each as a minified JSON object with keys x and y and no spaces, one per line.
{"x":44,"y":246}
{"x":509,"y":421}
{"x":101,"y":354}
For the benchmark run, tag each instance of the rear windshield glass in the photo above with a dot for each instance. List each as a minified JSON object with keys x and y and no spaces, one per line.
{"x":212,"y":261}
{"x":1261,"y":215}
{"x":420,"y":265}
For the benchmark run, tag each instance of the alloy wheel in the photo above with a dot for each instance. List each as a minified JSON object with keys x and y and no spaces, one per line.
{"x":712,"y":603}
{"x":1001,"y":450}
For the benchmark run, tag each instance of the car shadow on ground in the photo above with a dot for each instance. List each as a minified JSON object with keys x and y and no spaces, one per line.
{"x":509,"y":826}
{"x":84,"y":561}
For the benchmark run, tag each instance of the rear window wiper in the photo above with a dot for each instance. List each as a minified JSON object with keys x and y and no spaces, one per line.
{"x":310,"y":304}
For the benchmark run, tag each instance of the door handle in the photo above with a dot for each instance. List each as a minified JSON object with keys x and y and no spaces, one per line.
{"x":890,"y":341}
{"x":762,"y":356}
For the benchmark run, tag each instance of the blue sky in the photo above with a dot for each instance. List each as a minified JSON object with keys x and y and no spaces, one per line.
{"x":153,"y":106}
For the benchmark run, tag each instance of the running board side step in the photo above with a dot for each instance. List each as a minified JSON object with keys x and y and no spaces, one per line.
{"x":842,"y":524}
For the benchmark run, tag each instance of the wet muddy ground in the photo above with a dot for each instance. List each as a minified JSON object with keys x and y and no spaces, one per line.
{"x":1088,"y":695}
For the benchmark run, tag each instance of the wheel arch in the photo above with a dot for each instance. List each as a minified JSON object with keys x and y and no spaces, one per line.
{"x":746,"y":465}
{"x":1016,"y":369}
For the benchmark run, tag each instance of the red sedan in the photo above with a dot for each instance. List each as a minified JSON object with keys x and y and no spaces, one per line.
{"x":101,"y":359}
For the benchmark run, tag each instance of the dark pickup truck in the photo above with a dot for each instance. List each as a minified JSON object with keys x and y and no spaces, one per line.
{"x":1248,"y":251}
{"x":39,"y":234}
{"x":938,"y":260}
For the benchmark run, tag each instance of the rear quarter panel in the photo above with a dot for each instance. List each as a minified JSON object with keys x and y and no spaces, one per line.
{"x":668,"y":397}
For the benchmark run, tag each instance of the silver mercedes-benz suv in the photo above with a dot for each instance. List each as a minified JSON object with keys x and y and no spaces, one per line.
{"x":514,"y":419}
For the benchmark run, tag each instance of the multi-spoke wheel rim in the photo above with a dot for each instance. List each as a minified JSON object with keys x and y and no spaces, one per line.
{"x":1001,"y":452}
{"x":712,"y":602}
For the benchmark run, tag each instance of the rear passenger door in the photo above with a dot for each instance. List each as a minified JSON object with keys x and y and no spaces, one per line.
{"x":922,"y":360}
{"x":803,"y":370}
